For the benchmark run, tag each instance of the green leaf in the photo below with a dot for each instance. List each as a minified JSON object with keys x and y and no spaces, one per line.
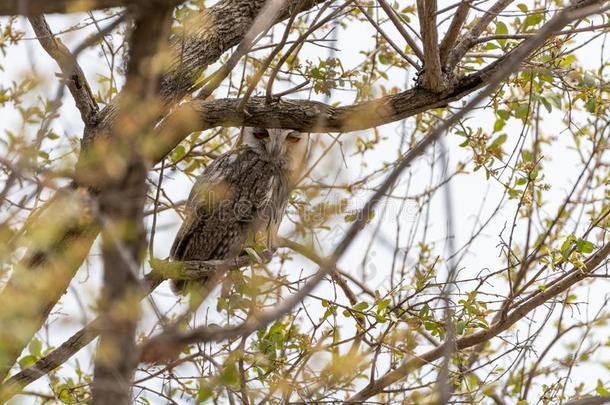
{"x":229,"y":375}
{"x":460,"y":327}
{"x":584,"y":246}
{"x":513,"y":193}
{"x":383,"y":304}
{"x":567,"y":244}
{"x":591,"y":104}
{"x":430,"y":325}
{"x":501,"y":29}
{"x":533,"y":19}
{"x":361,"y":306}
{"x":178,"y":153}
{"x":205,"y":391}
{"x":568,"y":60}
{"x":499,"y":141}
{"x":499,"y":124}
{"x":505,"y":115}
{"x":35,"y":347}
{"x":601,"y":390}
{"x":27,"y":361}
{"x":546,"y":104}
{"x":522,"y":111}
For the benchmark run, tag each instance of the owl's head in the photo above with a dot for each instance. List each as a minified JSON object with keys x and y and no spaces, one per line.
{"x":285,"y":146}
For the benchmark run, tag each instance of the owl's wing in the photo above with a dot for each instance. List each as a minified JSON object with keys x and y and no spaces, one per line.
{"x":202,"y":213}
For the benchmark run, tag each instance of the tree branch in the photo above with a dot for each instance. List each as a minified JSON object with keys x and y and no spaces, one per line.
{"x":432,"y":76}
{"x":596,"y":400}
{"x":306,"y":115}
{"x":41,"y":278}
{"x":121,"y":207}
{"x":289,"y":114}
{"x":400,"y":27}
{"x":388,"y":39}
{"x":72,"y":73}
{"x":518,"y":55}
{"x":470,"y":37}
{"x":454,"y":30}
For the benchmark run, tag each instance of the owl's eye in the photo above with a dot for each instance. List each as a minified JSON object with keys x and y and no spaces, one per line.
{"x":293,"y":138}
{"x":261,"y":133}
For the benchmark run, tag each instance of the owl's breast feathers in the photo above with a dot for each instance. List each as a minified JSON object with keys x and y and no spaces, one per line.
{"x":237,"y":195}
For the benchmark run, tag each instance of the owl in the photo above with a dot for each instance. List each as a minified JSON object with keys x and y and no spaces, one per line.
{"x":240,"y":196}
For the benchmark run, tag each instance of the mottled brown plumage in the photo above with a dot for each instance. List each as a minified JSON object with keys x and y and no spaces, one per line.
{"x":241,"y":193}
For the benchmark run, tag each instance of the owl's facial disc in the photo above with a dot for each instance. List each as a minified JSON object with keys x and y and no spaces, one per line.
{"x":281,"y":145}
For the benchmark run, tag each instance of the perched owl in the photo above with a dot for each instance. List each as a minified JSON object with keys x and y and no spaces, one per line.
{"x":242,"y":193}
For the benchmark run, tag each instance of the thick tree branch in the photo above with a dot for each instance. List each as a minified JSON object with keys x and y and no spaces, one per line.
{"x":598,"y":28}
{"x":432,"y":76}
{"x":72,"y":73}
{"x":313,"y":116}
{"x":306,"y":115}
{"x":40,"y":279}
{"x":596,"y":400}
{"x":121,"y":207}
